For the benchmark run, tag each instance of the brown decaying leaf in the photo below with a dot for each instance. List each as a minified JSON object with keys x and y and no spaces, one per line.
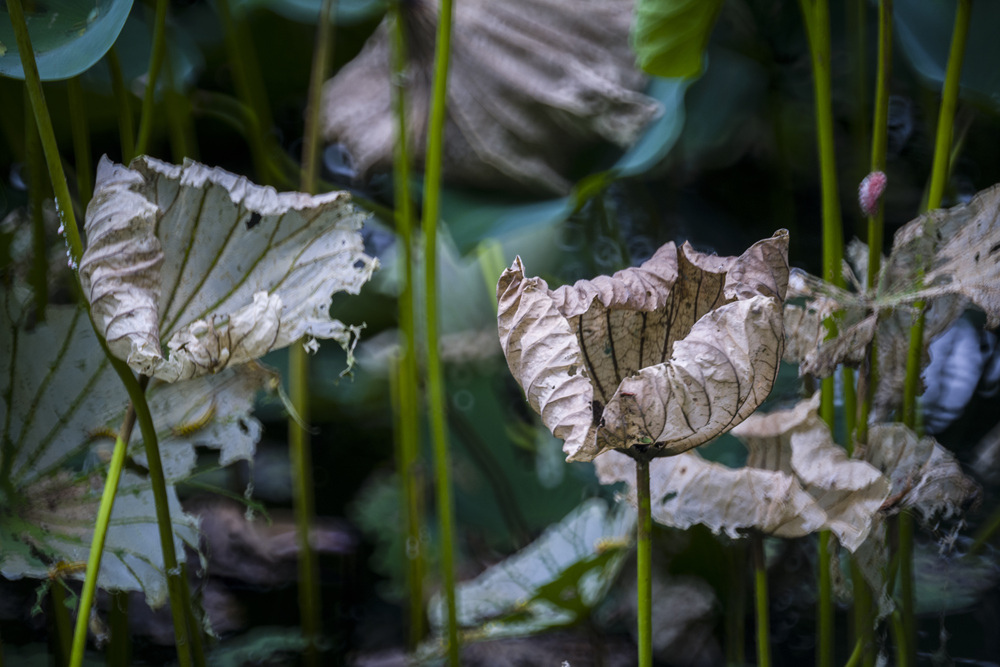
{"x":531,"y":86}
{"x":669,"y":354}
{"x":925,"y":476}
{"x":796,"y":481}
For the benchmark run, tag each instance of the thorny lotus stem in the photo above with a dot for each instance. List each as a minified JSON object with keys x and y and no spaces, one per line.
{"x":816,"y":14}
{"x":155,"y":63}
{"x":408,"y":387}
{"x":81,"y":141}
{"x":761,"y":598}
{"x":100,"y":536}
{"x":644,"y":567}
{"x":435,"y":381}
{"x":33,"y":83}
{"x":124,"y":107}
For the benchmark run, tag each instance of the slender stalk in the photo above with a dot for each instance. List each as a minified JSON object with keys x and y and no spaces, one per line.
{"x":435,"y":380}
{"x":249,"y":89}
{"x":761,"y":597}
{"x":100,"y":535}
{"x":81,"y":141}
{"x":939,"y":177}
{"x":183,"y":139}
{"x":156,"y":57}
{"x":644,"y":567}
{"x":175,"y":584}
{"x":38,"y":275}
{"x":119,"y":647}
{"x":123,"y":99}
{"x":33,"y":83}
{"x":298,"y":371}
{"x":816,"y":14}
{"x":408,"y":408}
{"x":301,"y":460}
{"x":196,"y":626}
{"x":736,"y":604}
{"x":60,"y":614}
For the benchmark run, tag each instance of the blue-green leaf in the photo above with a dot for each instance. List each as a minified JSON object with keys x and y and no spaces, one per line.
{"x":924,"y":30}
{"x":68,"y":36}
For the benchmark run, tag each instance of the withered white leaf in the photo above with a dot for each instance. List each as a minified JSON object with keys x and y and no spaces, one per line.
{"x":532,"y":85}
{"x":796,"y":481}
{"x":219,"y":269}
{"x":925,"y":476}
{"x":956,"y":250}
{"x":666,"y":355}
{"x":58,"y":394}
{"x":946,"y":257}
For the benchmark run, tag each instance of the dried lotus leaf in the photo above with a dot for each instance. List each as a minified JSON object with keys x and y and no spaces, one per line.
{"x":670,"y":353}
{"x":532,"y":85}
{"x":218,"y":268}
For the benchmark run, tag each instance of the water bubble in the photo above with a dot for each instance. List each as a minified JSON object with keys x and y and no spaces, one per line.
{"x":463,"y":400}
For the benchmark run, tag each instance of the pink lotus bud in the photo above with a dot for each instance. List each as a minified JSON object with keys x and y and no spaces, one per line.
{"x":870,"y":192}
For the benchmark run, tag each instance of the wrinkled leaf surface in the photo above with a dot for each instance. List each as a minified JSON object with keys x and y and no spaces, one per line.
{"x":220,"y":270}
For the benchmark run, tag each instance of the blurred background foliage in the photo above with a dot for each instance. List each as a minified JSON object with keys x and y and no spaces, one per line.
{"x":731,"y":159}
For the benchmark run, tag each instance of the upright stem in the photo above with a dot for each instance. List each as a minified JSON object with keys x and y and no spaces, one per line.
{"x":435,"y":380}
{"x":939,"y":177}
{"x":60,"y":614}
{"x":119,"y":646}
{"x":33,"y":83}
{"x":81,"y":141}
{"x":408,"y":387}
{"x":175,"y":584}
{"x":817,"y":20}
{"x":644,"y":559}
{"x":122,"y":98}
{"x":761,"y":597}
{"x":155,"y":63}
{"x":100,"y":535}
{"x":298,"y":371}
{"x":249,"y":89}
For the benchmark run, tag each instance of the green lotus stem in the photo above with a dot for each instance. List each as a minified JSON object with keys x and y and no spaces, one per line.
{"x":38,"y":275}
{"x":408,"y":386}
{"x":175,"y":584}
{"x":735,"y":607}
{"x":856,"y":655}
{"x":156,"y":57}
{"x":816,"y":15}
{"x":100,"y":536}
{"x":644,"y":563}
{"x":60,"y":614}
{"x":196,"y":625}
{"x":118,"y":648}
{"x":183,"y":140}
{"x":249,"y":89}
{"x":40,"y":110}
{"x":761,"y":598}
{"x":435,"y":381}
{"x":123,"y":98}
{"x":939,"y":177}
{"x":298,"y":374}
{"x":81,"y":141}
{"x":301,"y":460}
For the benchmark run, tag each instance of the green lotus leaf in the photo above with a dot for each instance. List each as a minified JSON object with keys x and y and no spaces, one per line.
{"x":68,"y":36}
